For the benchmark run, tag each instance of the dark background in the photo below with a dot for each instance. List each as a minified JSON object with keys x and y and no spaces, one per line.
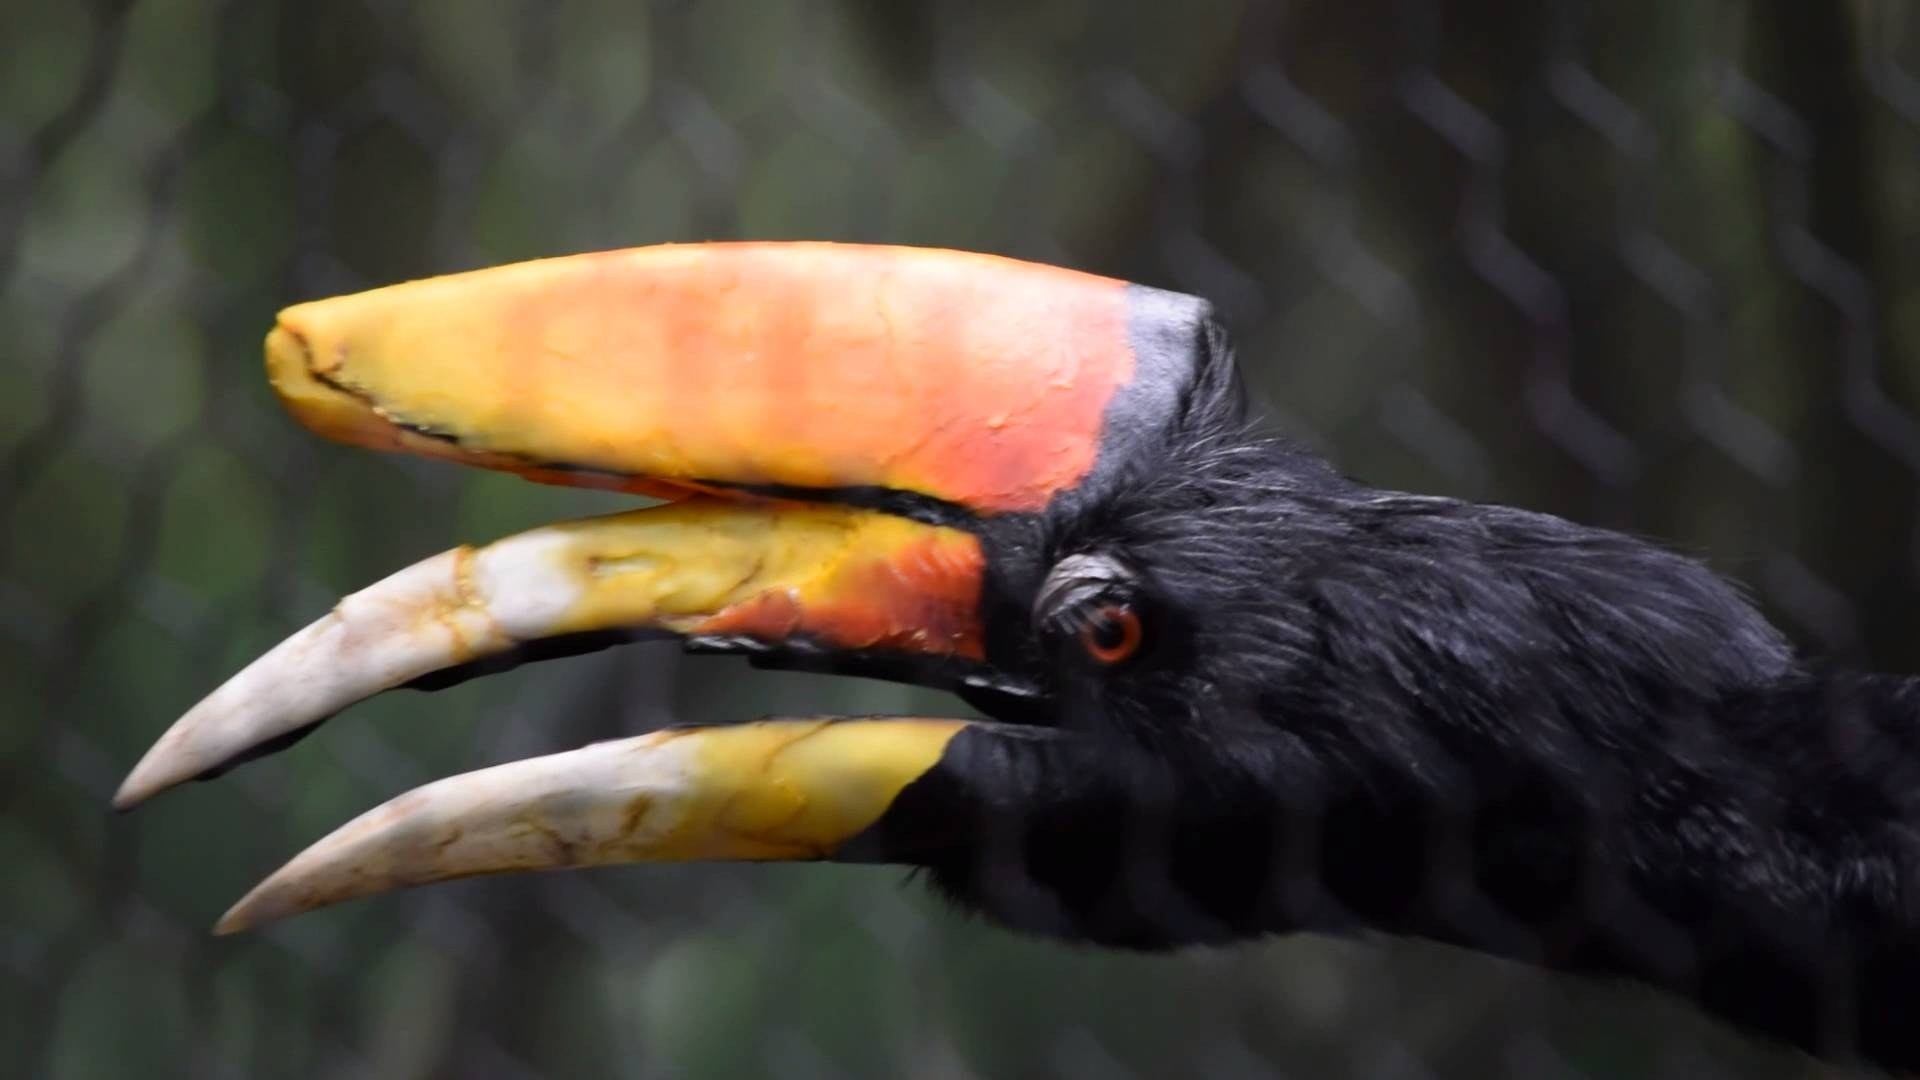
{"x":1645,"y":264}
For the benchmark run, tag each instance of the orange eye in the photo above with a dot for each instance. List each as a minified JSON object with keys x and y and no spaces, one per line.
{"x":1111,"y":633}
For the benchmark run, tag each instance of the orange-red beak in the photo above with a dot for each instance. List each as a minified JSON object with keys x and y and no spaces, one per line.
{"x":970,"y":379}
{"x":831,"y":424}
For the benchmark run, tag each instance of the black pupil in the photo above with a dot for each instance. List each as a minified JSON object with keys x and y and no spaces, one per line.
{"x":1106,"y":630}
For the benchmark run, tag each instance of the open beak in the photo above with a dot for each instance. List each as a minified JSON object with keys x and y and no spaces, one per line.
{"x":785,"y":398}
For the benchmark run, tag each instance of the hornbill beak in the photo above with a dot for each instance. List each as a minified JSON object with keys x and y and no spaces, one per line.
{"x":830,"y":424}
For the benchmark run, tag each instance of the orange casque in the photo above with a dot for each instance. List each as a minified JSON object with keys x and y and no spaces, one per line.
{"x":970,"y":378}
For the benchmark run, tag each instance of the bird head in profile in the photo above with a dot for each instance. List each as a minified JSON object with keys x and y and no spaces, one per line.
{"x":1228,"y":690}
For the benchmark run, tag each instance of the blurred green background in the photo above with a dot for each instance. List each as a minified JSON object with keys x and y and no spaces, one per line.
{"x":1647,"y":264}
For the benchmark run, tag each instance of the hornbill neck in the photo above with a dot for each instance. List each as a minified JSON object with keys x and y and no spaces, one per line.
{"x":1488,"y":728}
{"x":1588,"y":753}
{"x":1759,"y":866}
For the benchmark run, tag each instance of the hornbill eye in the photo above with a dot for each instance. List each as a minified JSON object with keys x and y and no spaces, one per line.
{"x":1111,"y":633}
{"x":1091,"y":600}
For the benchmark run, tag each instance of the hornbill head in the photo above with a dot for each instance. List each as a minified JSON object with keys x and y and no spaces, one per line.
{"x":881,"y":461}
{"x":1230,"y":691}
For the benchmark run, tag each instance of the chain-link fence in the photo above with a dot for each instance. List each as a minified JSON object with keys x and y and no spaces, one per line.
{"x":1645,"y":264}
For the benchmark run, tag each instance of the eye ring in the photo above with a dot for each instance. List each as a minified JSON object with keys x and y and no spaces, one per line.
{"x":1111,"y":633}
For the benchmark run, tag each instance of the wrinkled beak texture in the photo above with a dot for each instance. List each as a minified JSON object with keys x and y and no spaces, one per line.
{"x":844,"y":578}
{"x":777,"y":789}
{"x":969,"y":378}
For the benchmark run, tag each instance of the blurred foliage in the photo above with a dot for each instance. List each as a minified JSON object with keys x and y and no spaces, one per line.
{"x":1646,"y":264}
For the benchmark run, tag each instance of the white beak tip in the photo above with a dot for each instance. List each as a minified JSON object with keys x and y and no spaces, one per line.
{"x":143,"y":783}
{"x":179,"y":756}
{"x":268,"y":902}
{"x":239,"y":918}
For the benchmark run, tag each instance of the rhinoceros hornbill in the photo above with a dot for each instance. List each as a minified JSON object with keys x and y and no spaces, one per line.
{"x":1232,"y":691}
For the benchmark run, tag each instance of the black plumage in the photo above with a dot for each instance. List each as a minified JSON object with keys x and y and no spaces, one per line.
{"x":1358,"y":709}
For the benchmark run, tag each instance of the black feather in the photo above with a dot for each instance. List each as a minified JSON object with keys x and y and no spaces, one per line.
{"x":1470,"y":723}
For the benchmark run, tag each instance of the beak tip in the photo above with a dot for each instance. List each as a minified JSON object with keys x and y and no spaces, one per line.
{"x":190,"y":748}
{"x":138,"y":787}
{"x":260,"y":906}
{"x":235,"y":921}
{"x":155,"y":773}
